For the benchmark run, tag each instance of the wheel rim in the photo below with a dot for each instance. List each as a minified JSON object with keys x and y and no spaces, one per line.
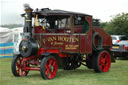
{"x":20,"y":65}
{"x":104,"y":61}
{"x":51,"y":68}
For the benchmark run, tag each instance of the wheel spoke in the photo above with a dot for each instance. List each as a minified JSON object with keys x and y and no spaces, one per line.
{"x":21,"y":65}
{"x":18,"y":71}
{"x":21,"y":74}
{"x":17,"y":64}
{"x":103,"y":59}
{"x":54,"y":64}
{"x":50,"y":75}
{"x":46,"y":66}
{"x":20,"y":59}
{"x":47,"y":71}
{"x":50,"y":62}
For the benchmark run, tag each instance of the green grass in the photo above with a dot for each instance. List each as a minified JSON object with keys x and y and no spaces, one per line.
{"x":118,"y":75}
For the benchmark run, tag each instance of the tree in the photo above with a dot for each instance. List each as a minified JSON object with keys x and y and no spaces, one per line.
{"x":103,"y":24}
{"x":118,"y":25}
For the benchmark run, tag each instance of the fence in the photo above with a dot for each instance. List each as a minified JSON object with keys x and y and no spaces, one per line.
{"x":6,"y":50}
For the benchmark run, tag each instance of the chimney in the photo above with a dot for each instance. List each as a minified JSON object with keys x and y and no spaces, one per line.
{"x":28,"y":20}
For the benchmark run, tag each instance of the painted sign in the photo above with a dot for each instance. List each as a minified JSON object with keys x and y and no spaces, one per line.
{"x":63,"y":42}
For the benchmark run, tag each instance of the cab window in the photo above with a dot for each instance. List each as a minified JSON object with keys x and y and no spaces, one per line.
{"x":79,"y":20}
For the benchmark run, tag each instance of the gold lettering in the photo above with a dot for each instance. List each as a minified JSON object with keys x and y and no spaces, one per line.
{"x":73,"y":47}
{"x":58,"y":43}
{"x":67,"y":39}
{"x":52,"y":38}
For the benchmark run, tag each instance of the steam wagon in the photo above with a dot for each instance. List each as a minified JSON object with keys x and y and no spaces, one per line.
{"x":56,"y":39}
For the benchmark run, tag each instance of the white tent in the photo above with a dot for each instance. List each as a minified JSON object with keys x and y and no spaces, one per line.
{"x":17,"y":37}
{"x":5,"y":35}
{"x":18,"y":29}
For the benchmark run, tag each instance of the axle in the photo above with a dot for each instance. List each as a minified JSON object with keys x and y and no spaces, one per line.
{"x":32,"y":68}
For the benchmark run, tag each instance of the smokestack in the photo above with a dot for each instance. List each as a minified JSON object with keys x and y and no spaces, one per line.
{"x":28,"y":20}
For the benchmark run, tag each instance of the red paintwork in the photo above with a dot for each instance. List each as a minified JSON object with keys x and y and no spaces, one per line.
{"x":107,"y":40}
{"x":83,"y":44}
{"x":42,"y":50}
{"x":89,"y":36}
{"x":78,"y":29}
{"x":104,"y":61}
{"x":125,"y":47}
{"x":52,"y":41}
{"x":32,"y":68}
{"x":80,"y":42}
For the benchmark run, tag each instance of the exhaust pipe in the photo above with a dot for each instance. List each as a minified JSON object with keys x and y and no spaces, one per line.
{"x":28,"y":21}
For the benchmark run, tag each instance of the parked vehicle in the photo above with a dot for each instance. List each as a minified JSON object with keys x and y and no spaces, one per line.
{"x":118,"y":38}
{"x":61,"y":39}
{"x":120,"y":45}
{"x":120,"y":49}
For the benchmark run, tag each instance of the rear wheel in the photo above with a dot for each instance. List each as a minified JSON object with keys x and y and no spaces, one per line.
{"x":71,"y":63}
{"x":48,"y":67}
{"x":18,"y":66}
{"x":102,"y":61}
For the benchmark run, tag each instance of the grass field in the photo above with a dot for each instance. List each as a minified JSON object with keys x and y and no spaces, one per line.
{"x":118,"y":75}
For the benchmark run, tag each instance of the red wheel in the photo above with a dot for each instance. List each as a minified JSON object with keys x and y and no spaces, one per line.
{"x":102,"y":61}
{"x":18,"y":66}
{"x":48,"y":67}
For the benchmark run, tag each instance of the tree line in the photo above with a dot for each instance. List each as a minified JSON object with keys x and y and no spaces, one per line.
{"x":11,"y":26}
{"x":118,"y":25}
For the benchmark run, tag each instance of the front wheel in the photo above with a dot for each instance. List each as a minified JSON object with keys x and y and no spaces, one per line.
{"x":102,"y":61}
{"x":48,"y":67}
{"x":18,"y":66}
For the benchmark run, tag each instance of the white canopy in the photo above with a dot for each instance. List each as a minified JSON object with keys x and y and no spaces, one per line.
{"x":18,"y":29}
{"x":5,"y":35}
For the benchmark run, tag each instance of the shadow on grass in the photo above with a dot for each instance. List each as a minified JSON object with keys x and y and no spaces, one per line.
{"x":65,"y":73}
{"x":80,"y":72}
{"x":34,"y":74}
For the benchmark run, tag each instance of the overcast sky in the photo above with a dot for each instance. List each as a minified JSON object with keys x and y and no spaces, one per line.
{"x":10,"y":10}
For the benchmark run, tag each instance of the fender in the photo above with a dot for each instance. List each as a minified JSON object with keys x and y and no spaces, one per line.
{"x":46,"y":54}
{"x":59,"y":60}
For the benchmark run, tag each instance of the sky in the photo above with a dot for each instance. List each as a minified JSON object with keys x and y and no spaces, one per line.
{"x":104,"y":10}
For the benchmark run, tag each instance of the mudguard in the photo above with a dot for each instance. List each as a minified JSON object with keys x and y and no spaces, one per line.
{"x":45,"y":54}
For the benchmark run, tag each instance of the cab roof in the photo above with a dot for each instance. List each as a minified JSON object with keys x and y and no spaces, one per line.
{"x":47,"y":11}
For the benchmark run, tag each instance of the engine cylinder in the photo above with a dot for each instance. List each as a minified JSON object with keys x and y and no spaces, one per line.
{"x":28,"y":47}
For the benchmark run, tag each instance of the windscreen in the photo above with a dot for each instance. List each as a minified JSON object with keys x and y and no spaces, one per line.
{"x":123,"y":38}
{"x":54,"y":22}
{"x":123,"y":43}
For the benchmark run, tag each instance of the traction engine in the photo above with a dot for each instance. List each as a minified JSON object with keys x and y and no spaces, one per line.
{"x":56,"y":39}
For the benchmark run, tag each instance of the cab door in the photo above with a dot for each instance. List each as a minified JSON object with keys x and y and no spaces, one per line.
{"x":83,"y":26}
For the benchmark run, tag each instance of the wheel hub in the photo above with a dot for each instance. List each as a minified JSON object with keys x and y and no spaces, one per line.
{"x":24,"y":48}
